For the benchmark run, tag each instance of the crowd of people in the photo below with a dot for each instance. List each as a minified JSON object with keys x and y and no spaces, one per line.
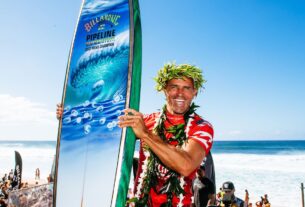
{"x":35,"y":196}
{"x":7,"y":185}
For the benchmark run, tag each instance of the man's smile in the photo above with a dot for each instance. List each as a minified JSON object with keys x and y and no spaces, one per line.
{"x":179,"y":102}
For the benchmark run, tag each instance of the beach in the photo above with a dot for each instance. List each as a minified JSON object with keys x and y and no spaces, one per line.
{"x":262,"y":167}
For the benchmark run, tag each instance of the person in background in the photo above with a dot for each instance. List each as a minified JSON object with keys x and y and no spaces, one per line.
{"x":247,"y":198}
{"x":4,"y":192}
{"x":203,"y":189}
{"x":259,"y":204}
{"x":37,"y":174}
{"x":229,"y":198}
{"x":266,"y":201}
{"x":4,"y":178}
{"x":11,"y":175}
{"x":219,"y":197}
{"x":2,"y":203}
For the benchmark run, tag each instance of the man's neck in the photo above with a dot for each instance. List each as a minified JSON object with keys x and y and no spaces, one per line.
{"x":169,"y":110}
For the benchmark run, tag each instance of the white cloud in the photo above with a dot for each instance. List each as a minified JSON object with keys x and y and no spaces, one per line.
{"x":277,"y":132}
{"x":229,"y":135}
{"x":234,"y":132}
{"x":21,"y":118}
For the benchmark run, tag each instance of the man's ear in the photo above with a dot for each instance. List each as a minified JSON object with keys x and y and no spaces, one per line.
{"x":196,"y":93}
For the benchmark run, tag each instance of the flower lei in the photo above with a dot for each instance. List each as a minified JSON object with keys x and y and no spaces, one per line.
{"x":149,"y":176}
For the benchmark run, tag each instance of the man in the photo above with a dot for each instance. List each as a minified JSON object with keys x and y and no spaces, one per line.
{"x":37,"y":174}
{"x":11,"y":175}
{"x":229,"y":199}
{"x":203,"y":188}
{"x":4,"y":178}
{"x":173,"y":142}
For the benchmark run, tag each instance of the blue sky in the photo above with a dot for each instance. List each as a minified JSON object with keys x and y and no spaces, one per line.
{"x":252,"y":54}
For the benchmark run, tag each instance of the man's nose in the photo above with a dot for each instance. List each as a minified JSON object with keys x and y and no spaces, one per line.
{"x":180,"y":91}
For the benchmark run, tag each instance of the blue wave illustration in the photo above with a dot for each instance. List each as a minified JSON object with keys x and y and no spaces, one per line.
{"x":92,"y":7}
{"x":96,"y":120}
{"x":99,"y":84}
{"x":101,"y":74}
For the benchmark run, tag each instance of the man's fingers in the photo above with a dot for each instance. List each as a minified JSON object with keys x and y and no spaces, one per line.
{"x":59,"y":111}
{"x":131,"y":112}
{"x":128,"y":123}
{"x":129,"y":117}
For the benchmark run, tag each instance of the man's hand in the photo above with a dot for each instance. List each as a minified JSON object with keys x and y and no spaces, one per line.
{"x":133,"y":119}
{"x":59,"y":111}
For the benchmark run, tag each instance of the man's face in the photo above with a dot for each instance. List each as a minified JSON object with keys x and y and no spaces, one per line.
{"x":179,"y":95}
{"x":229,"y":192}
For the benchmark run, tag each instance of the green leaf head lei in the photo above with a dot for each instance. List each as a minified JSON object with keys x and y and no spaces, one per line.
{"x":173,"y":71}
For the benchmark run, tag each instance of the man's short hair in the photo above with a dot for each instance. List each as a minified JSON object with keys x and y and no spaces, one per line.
{"x":171,"y":71}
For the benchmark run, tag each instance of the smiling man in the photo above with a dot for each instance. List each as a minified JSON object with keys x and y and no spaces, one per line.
{"x":173,"y":142}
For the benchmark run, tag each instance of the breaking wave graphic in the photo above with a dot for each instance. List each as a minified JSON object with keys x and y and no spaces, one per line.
{"x":102,"y":73}
{"x":99,"y":85}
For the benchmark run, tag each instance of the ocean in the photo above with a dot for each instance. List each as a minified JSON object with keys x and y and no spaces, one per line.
{"x":276,"y":168}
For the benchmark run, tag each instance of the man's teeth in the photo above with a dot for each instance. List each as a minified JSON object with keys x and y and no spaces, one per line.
{"x":179,"y":101}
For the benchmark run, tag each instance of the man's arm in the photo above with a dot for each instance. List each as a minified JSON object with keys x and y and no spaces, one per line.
{"x":183,"y":160}
{"x":212,"y":199}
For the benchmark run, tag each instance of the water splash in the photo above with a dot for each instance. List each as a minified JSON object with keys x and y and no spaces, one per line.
{"x":99,"y":120}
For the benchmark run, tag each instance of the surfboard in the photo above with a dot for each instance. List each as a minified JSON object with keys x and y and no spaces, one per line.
{"x":93,"y":155}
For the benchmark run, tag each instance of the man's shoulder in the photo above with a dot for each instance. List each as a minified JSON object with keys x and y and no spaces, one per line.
{"x":199,"y":121}
{"x":201,"y":131}
{"x":239,"y":201}
{"x":150,"y":119}
{"x":151,"y":116}
{"x":201,"y":125}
